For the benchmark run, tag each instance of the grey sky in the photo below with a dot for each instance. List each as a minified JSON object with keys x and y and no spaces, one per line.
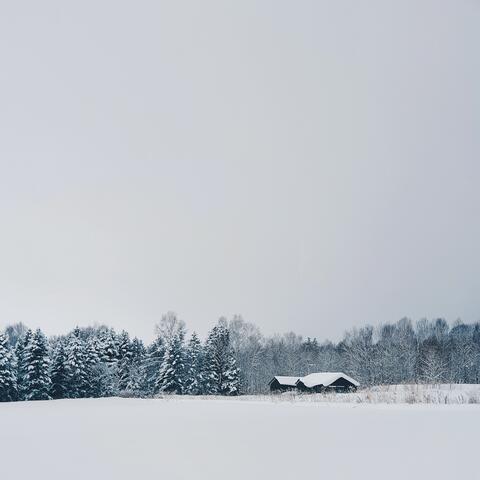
{"x":311,"y":165}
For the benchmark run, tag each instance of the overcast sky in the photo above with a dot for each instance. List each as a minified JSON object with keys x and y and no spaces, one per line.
{"x":312,"y":165}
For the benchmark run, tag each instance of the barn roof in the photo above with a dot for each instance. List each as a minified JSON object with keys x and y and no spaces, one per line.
{"x":288,"y":381}
{"x":325,"y":379}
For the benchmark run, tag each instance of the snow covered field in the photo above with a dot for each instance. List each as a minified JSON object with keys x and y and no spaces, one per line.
{"x":235,"y":439}
{"x":446,"y":394}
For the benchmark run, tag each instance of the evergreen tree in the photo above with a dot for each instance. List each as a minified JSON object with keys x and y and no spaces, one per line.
{"x":96,"y":386}
{"x":20,"y":355}
{"x":125,"y":356}
{"x":221,"y":372}
{"x":37,"y":380}
{"x":137,"y":349}
{"x":108,"y":346}
{"x":59,"y":372}
{"x":77,"y":366}
{"x":92,"y":356}
{"x":172,"y":372}
{"x":8,"y":384}
{"x":151,"y":365}
{"x":124,"y":348}
{"x":194,"y":380}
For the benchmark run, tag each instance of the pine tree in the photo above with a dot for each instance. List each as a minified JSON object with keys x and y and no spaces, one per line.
{"x":59,"y":372}
{"x":194,"y":380}
{"x":124,"y":348}
{"x":8,"y":384}
{"x":92,"y":357}
{"x":37,"y":380}
{"x":77,"y":366}
{"x":125,"y":356}
{"x":137,"y":349}
{"x":221,"y":372}
{"x":172,"y":372}
{"x":20,"y":355}
{"x":96,"y":383}
{"x":151,"y":365}
{"x":108,"y":346}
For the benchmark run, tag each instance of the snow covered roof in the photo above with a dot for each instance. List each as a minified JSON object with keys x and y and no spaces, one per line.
{"x":325,"y":379}
{"x":288,"y":381}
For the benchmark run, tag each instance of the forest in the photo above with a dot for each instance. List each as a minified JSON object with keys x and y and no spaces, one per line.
{"x":235,"y":358}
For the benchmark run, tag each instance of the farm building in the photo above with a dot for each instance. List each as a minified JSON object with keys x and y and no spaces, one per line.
{"x":327,"y":381}
{"x":315,"y":382}
{"x":283,"y":384}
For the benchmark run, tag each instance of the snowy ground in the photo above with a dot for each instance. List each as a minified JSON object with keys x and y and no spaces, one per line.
{"x":235,"y":439}
{"x":446,"y":394}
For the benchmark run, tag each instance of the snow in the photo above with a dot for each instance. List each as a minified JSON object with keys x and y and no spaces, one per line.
{"x":290,"y":381}
{"x":314,"y":379}
{"x":237,"y":438}
{"x":446,"y":394}
{"x":325,"y":379}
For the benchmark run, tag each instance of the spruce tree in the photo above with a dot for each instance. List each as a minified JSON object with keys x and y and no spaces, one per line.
{"x":8,"y":384}
{"x":77,"y":366}
{"x":138,"y":350}
{"x":172,"y":372}
{"x":125,"y":355}
{"x":37,"y":380}
{"x":108,"y":346}
{"x":151,"y":365}
{"x":20,"y":355}
{"x":220,"y":369}
{"x":194,"y":380}
{"x":59,"y":373}
{"x":124,"y":348}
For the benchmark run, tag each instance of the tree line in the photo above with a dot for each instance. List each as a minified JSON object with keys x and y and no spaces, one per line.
{"x":235,"y":358}
{"x":98,"y":362}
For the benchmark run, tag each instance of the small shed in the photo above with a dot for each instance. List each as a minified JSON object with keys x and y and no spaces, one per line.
{"x":283,"y":384}
{"x":327,"y":381}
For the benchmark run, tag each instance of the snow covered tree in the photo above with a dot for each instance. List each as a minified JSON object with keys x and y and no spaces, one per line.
{"x":108,"y":345}
{"x":37,"y":380}
{"x":20,"y":355}
{"x":77,"y":366}
{"x":92,"y":352}
{"x":462,"y":353}
{"x":125,"y":356}
{"x":124,"y":348}
{"x":248,"y":344}
{"x":138,"y":350}
{"x":135,"y":381}
{"x":194,"y":381}
{"x":359,"y":354}
{"x":169,"y":326}
{"x":14,"y":333}
{"x":151,"y":365}
{"x":103,"y":380}
{"x":171,"y":376}
{"x":431,"y":365}
{"x":220,"y":368}
{"x":59,"y":373}
{"x":8,"y":384}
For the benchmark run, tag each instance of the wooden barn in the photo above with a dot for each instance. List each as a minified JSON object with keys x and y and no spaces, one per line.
{"x":283,"y":384}
{"x":327,"y":381}
{"x":315,"y":383}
